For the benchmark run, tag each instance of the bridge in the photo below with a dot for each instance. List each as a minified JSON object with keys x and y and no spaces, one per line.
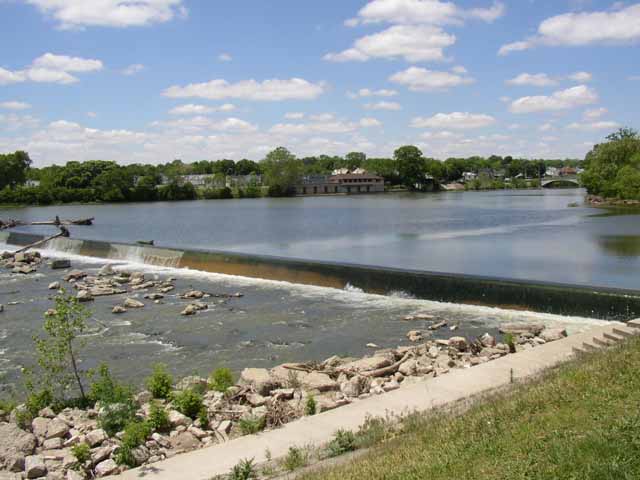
{"x":567,"y":180}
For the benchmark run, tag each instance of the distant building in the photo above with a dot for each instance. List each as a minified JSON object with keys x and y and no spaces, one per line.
{"x":565,"y":171}
{"x":197,"y":180}
{"x":469,"y":176}
{"x":243,"y":181}
{"x":340,"y":182}
{"x":552,"y":172}
{"x":32,"y":183}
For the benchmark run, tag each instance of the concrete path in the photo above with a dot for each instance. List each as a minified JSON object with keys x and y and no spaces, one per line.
{"x":421,"y":396}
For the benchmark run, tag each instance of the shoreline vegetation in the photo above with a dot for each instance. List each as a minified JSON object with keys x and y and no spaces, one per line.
{"x":91,"y":424}
{"x":97,"y":181}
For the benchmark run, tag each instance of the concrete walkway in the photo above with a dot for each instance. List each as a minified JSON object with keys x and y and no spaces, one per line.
{"x":317,"y":430}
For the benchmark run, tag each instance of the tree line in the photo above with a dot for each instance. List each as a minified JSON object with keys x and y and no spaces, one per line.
{"x":107,"y":181}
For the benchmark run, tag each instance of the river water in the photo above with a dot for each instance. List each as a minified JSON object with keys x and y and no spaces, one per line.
{"x":526,"y":234}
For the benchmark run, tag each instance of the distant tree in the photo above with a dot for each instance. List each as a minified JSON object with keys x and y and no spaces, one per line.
{"x":226,"y":167}
{"x":247,"y":167}
{"x":411,"y":165}
{"x":13,"y":169}
{"x":282,"y":170}
{"x":354,"y":160}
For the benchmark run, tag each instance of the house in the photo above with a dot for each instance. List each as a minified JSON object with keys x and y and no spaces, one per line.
{"x":552,"y":172}
{"x":243,"y":181}
{"x":469,"y":176}
{"x":32,"y":183}
{"x":340,"y":183}
{"x":565,"y":171}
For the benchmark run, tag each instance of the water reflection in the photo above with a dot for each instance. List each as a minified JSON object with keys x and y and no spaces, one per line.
{"x":621,"y":245}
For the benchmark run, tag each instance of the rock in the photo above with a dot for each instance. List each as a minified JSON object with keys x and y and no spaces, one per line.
{"x":189,"y":310}
{"x":177,"y":419}
{"x":184,"y":441}
{"x":372,"y":345}
{"x":118,"y":309}
{"x":23,"y":269}
{"x":84,"y":296}
{"x":224,"y":426}
{"x":198,"y":432}
{"x":132,"y":303}
{"x":39,"y":426}
{"x":487,"y":340}
{"x":50,"y":312}
{"x":256,"y":400}
{"x":14,"y":442}
{"x":96,"y":437}
{"x":166,"y":289}
{"x":438,"y":325}
{"x":56,"y":429}
{"x":106,"y":270}
{"x":53,"y":443}
{"x":414,"y":335}
{"x":106,"y":468}
{"x":100,"y":454}
{"x":259,"y":379}
{"x":459,"y":343}
{"x":516,"y":328}
{"x":140,"y":454}
{"x":367,"y":363}
{"x":59,"y":264}
{"x":74,"y":475}
{"x":354,"y":387}
{"x":191,"y":382}
{"x":34,"y":466}
{"x":193,"y":294}
{"x":408,"y":368}
{"x":54,"y":286}
{"x":73,"y":274}
{"x":553,"y":334}
{"x":144,"y":396}
{"x":283,"y":393}
{"x":154,"y":296}
{"x":319,"y":381}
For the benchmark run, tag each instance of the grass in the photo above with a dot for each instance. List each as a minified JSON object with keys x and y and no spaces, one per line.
{"x":581,"y":421}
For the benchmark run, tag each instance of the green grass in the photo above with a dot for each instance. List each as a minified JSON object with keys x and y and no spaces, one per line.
{"x":582,"y":421}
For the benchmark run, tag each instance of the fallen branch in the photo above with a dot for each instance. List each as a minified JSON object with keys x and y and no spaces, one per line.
{"x":63,"y":233}
{"x":381,"y":372}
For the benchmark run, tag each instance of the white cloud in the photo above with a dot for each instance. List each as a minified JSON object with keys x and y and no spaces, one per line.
{"x":322,"y":117}
{"x":545,"y":127}
{"x":92,"y":114}
{"x":267,"y":90}
{"x":294,"y":115}
{"x":581,"y":77}
{"x":17,"y":122}
{"x":505,"y":99}
{"x":594,"y":113}
{"x":602,"y":125}
{"x":366,"y":92}
{"x":201,"y":123}
{"x":368,"y":122}
{"x":614,"y":27}
{"x":422,"y":80}
{"x":459,"y":69}
{"x":193,"y":109}
{"x":65,"y":63}
{"x":433,"y":12}
{"x":225,"y":57}
{"x":560,"y":100}
{"x":383,"y":106}
{"x":109,"y":13}
{"x":454,"y":120}
{"x":514,"y":126}
{"x":14,"y":105}
{"x":414,"y":43}
{"x":51,"y":68}
{"x":536,"y":80}
{"x":313,"y":128}
{"x":133,"y":69}
{"x":442,"y":135}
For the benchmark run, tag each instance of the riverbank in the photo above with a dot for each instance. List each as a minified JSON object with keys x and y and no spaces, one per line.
{"x":597,"y":201}
{"x":573,"y":423}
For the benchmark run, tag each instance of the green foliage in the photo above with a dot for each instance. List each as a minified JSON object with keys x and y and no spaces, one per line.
{"x":373,"y":431}
{"x":105,"y":389}
{"x":13,"y":169}
{"x":203,"y":417}
{"x":310,"y":406}
{"x":411,"y":166}
{"x":158,"y":418}
{"x":188,"y":402}
{"x":7,"y":406}
{"x":244,"y":470}
{"x":160,"y":382}
{"x":510,"y":341}
{"x":135,"y":434}
{"x":252,"y":424}
{"x":296,"y":458}
{"x":613,"y":168}
{"x":56,"y":352}
{"x":282,"y":171}
{"x":82,"y":452}
{"x":221,"y":379}
{"x":343,"y":441}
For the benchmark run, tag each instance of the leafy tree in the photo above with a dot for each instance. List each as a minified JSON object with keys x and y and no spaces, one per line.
{"x":282,"y":171}
{"x":411,"y":166}
{"x":247,"y":167}
{"x":14,"y":168}
{"x":354,"y":160}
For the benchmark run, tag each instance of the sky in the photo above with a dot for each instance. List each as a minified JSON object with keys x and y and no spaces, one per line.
{"x":155,"y":80}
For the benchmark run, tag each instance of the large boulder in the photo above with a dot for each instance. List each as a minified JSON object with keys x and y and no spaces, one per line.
{"x":34,"y":466}
{"x":368,"y":363}
{"x":56,"y":429}
{"x":318,"y":381}
{"x":260,"y":379}
{"x":553,"y":334}
{"x":96,"y":437}
{"x":184,"y":441}
{"x":60,"y":264}
{"x":459,"y":343}
{"x":106,"y":468}
{"x":518,"y":328}
{"x":15,"y":444}
{"x":177,"y":419}
{"x":132,"y":303}
{"x":39,"y":426}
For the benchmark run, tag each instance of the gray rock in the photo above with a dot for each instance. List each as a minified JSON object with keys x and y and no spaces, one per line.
{"x":39,"y":426}
{"x":54,"y":286}
{"x":140,"y":454}
{"x":60,"y":264}
{"x":192,"y":381}
{"x":368,"y":363}
{"x":259,"y":379}
{"x":553,"y":334}
{"x":53,"y":443}
{"x":74,"y":475}
{"x":105,"y":468}
{"x":487,"y":340}
{"x":178,"y":419}
{"x":100,"y":454}
{"x":414,"y":335}
{"x":516,"y":328}
{"x":184,"y":441}
{"x":144,"y":396}
{"x":56,"y":429}
{"x":34,"y":466}
{"x":132,"y":303}
{"x":459,"y":343}
{"x":318,"y":381}
{"x":96,"y":437}
{"x":193,"y":294}
{"x":84,"y":296}
{"x":408,"y":368}
{"x":118,"y":309}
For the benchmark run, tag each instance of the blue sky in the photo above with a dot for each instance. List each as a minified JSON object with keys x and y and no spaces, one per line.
{"x":165,"y":79}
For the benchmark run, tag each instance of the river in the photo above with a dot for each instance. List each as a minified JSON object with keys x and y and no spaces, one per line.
{"x":524,"y":234}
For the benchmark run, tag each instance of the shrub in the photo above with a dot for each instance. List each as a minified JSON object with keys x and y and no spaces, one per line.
{"x":344,"y":441}
{"x":7,"y":406}
{"x":160,"y":382}
{"x":310,"y":407}
{"x":116,"y":400}
{"x":36,"y":401}
{"x":135,"y":434}
{"x":158,"y":418}
{"x":244,"y":470}
{"x":188,"y":402}
{"x":252,"y":424}
{"x":296,"y":458}
{"x":82,"y":452}
{"x":115,"y":416}
{"x":203,"y":417}
{"x":373,"y":431}
{"x":509,"y":340}
{"x":221,"y":379}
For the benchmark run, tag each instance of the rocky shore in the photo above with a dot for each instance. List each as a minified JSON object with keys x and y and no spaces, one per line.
{"x":598,"y":201}
{"x":261,"y":398}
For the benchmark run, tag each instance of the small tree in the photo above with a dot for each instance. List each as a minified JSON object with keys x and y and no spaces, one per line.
{"x":282,"y":171}
{"x":411,"y":166}
{"x":57,"y":351}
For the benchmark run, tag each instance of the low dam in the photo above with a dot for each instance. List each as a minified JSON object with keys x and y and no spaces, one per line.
{"x":545,"y":297}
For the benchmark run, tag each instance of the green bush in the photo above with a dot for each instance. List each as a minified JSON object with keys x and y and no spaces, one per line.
{"x":221,"y":379}
{"x":158,"y":418}
{"x":135,"y":434}
{"x":114,"y":417}
{"x":7,"y":406}
{"x":82,"y":452}
{"x":296,"y":458}
{"x":373,"y":431}
{"x":117,"y":405}
{"x":310,"y":407}
{"x":160,"y":382}
{"x":510,"y":341}
{"x":188,"y":402}
{"x":244,"y":470}
{"x":252,"y":424}
{"x":36,"y":401}
{"x":344,"y":441}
